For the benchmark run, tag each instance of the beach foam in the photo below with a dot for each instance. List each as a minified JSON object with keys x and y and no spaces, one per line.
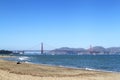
{"x":23,"y":58}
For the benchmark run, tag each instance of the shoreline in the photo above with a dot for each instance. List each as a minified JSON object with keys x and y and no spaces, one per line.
{"x":9,"y":70}
{"x":52,"y":65}
{"x":87,"y":69}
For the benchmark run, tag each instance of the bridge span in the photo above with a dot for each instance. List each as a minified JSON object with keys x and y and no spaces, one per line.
{"x":41,"y":50}
{"x":30,"y":51}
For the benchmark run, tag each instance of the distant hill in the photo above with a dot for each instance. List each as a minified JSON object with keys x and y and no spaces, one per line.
{"x":113,"y":50}
{"x":98,"y":50}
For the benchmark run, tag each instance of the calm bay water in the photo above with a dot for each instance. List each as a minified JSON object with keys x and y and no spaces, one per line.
{"x":91,"y":62}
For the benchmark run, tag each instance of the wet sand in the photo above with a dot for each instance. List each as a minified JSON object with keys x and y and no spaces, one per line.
{"x":12,"y":71}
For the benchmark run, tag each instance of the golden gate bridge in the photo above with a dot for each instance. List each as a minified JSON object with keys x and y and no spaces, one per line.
{"x":40,"y":51}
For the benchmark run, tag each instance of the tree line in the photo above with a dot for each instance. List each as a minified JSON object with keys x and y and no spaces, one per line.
{"x":5,"y":52}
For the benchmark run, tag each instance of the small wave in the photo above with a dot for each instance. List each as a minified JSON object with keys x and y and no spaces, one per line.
{"x":28,"y":62}
{"x":90,"y":69}
{"x":23,"y":58}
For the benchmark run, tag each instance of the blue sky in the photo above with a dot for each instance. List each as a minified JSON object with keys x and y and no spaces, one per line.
{"x":59,"y":23}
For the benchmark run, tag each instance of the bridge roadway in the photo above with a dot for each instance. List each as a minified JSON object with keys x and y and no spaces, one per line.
{"x":29,"y":51}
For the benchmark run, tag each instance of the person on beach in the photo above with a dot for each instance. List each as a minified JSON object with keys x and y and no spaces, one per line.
{"x":18,"y":62}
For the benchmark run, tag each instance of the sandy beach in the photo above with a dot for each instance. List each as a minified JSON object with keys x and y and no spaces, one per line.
{"x":12,"y":71}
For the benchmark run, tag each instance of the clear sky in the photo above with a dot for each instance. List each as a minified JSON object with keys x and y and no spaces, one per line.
{"x":59,"y":23}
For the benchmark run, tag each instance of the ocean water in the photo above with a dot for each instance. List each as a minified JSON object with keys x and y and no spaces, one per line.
{"x":89,"y":62}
